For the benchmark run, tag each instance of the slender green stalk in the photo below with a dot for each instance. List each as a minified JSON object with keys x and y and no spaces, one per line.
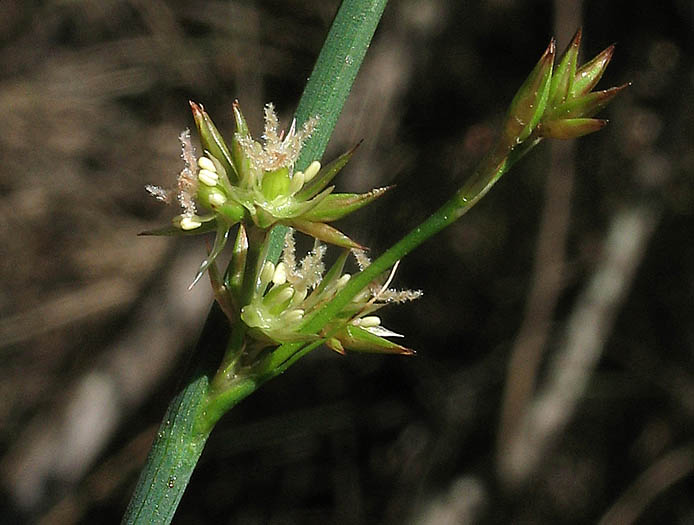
{"x":490,"y":170}
{"x":331,"y":81}
{"x":485,"y":176}
{"x":178,"y":443}
{"x":336,"y":68}
{"x":186,"y":426}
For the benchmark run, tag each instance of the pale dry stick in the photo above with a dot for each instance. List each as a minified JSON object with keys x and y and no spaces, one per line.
{"x":547,"y":276}
{"x":546,"y":286}
{"x":661,"y":475}
{"x":462,"y":502}
{"x":101,"y":484}
{"x":378,"y":92}
{"x":169,"y":40}
{"x":584,"y":338}
{"x":66,"y":309}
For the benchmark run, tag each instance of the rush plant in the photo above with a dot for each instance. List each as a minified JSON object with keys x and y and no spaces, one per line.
{"x":270,"y":308}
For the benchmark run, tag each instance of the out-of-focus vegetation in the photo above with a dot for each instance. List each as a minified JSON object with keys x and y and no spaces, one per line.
{"x":554,"y":380}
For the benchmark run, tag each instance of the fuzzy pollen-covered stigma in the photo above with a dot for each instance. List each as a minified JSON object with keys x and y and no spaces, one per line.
{"x":289,"y":293}
{"x":256,"y":182}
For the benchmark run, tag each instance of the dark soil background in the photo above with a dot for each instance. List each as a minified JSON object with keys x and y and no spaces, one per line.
{"x":554,"y":381}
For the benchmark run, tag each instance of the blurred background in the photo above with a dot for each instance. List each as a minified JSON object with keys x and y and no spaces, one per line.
{"x":554,"y":380}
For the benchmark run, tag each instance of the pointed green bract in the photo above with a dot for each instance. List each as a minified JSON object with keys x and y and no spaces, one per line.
{"x":585,"y":106}
{"x":336,"y":206}
{"x":237,"y":267}
{"x":571,"y":128}
{"x":241,"y":163}
{"x":358,"y":339}
{"x":325,"y":175}
{"x":323,"y":232}
{"x":530,"y":101}
{"x":563,"y":74}
{"x":589,"y":74}
{"x":210,"y":137}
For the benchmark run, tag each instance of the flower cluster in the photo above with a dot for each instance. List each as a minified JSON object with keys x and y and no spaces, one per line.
{"x":557,"y":102}
{"x":289,"y":293}
{"x":258,"y":185}
{"x":257,"y":182}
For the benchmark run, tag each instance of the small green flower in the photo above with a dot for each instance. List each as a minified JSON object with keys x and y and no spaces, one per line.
{"x":264,"y":181}
{"x":256,"y":182}
{"x":557,"y":101}
{"x":287,"y":294}
{"x":572,"y":104}
{"x":529,"y":103}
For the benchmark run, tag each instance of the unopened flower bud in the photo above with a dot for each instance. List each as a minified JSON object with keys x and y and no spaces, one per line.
{"x":342,"y":281}
{"x":206,"y":164}
{"x":280,"y":275}
{"x":368,"y":321}
{"x":293,"y":316}
{"x":312,"y":170}
{"x":267,"y":272}
{"x":189,"y":223}
{"x":208,"y":178}
{"x":297,"y":182}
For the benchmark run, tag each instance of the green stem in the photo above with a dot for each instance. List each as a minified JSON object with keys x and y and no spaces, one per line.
{"x":331,"y":80}
{"x":490,"y":170}
{"x":192,"y":413}
{"x":485,"y":176}
{"x":179,"y":441}
{"x":336,"y":68}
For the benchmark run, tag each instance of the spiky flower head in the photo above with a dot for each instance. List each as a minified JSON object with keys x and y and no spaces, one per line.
{"x":290,"y":293}
{"x":257,"y":182}
{"x":558,"y":101}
